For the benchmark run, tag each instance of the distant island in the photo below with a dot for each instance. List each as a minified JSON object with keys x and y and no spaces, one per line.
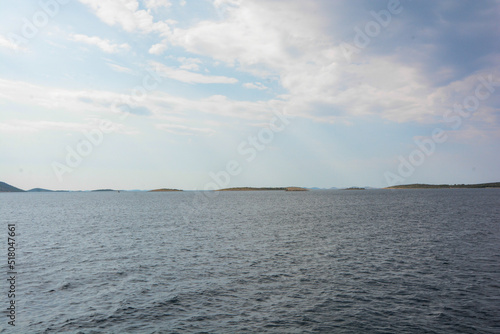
{"x":40,"y":190}
{"x":264,"y":189}
{"x":445,"y":186}
{"x":4,"y":187}
{"x":296,"y":189}
{"x":164,"y":189}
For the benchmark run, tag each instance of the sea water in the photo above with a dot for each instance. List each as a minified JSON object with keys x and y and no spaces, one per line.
{"x":368,"y":261}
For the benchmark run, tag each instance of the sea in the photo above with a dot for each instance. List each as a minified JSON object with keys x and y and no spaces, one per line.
{"x":322,"y":261}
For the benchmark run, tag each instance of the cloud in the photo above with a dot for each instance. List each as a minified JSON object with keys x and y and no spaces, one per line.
{"x":75,"y":101}
{"x":104,"y":44}
{"x":392,"y":77}
{"x":6,"y":43}
{"x":184,"y":130}
{"x":158,"y":48}
{"x":445,"y":40}
{"x":256,"y":85}
{"x":190,"y":77}
{"x":157,"y":105}
{"x":190,"y":64}
{"x":136,"y":110}
{"x":252,"y":35}
{"x":164,"y":105}
{"x":120,"y":69}
{"x":24,"y":126}
{"x":406,"y":80}
{"x":126,"y":14}
{"x":154,"y":4}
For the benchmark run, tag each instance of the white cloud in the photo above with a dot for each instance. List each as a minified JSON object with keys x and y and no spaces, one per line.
{"x":76,"y":101}
{"x":182,"y":3}
{"x":220,"y":3}
{"x":125,"y":13}
{"x":218,"y":105}
{"x":295,"y":47}
{"x":104,"y":44}
{"x":158,"y":48}
{"x":190,"y":64}
{"x":184,"y":130}
{"x":81,"y":103}
{"x":24,"y":126}
{"x":120,"y":69}
{"x":6,"y":43}
{"x":256,"y":85}
{"x":154,"y":4}
{"x":253,"y":34}
{"x":190,"y":77}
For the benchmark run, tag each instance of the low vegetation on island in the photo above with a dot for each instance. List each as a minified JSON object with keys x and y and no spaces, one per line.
{"x":296,"y":189}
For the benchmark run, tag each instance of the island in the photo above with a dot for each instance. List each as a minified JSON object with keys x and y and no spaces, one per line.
{"x":164,"y":190}
{"x":264,"y":189}
{"x":7,"y":188}
{"x":446,"y":186}
{"x":296,"y":189}
{"x":39,"y":190}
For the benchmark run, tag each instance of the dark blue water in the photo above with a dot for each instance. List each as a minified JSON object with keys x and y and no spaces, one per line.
{"x":375,"y":261}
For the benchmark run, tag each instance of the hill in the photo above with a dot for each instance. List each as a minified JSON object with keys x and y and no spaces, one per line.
{"x":4,"y":187}
{"x":39,"y":190}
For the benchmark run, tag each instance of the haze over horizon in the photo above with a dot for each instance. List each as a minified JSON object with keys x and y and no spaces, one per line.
{"x":228,"y":93}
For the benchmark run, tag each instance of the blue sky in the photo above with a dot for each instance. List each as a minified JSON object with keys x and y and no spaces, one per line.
{"x":204,"y":94}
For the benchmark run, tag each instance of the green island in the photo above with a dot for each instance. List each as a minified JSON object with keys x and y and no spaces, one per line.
{"x":445,"y":186}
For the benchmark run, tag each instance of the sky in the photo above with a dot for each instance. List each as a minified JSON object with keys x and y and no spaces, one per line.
{"x":209,"y":94}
